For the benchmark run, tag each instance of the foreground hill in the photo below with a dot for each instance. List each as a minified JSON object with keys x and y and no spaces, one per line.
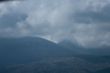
{"x":60,"y":65}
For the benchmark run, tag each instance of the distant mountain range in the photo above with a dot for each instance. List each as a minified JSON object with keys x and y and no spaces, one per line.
{"x":37,"y":55}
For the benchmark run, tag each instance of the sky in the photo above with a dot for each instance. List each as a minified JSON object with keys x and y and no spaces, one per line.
{"x":84,"y":21}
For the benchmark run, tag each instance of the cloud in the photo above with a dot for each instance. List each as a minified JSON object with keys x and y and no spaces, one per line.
{"x":10,"y":19}
{"x":88,"y":16}
{"x":86,"y":21}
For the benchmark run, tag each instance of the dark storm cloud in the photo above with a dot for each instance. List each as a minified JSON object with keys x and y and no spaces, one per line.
{"x":8,"y":0}
{"x":4,"y":0}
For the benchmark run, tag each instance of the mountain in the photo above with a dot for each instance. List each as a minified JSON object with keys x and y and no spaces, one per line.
{"x":69,"y":44}
{"x":28,"y":49}
{"x":101,"y":51}
{"x":78,"y":49}
{"x":73,"y":46}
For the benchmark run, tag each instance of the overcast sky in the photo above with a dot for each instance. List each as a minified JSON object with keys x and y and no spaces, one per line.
{"x":84,"y":21}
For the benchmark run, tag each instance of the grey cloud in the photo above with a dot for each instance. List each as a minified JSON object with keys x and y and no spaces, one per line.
{"x":91,"y":16}
{"x":10,"y":19}
{"x":87,"y":22}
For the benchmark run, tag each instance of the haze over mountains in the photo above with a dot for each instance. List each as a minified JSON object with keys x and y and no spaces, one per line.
{"x":81,"y":28}
{"x":37,"y":55}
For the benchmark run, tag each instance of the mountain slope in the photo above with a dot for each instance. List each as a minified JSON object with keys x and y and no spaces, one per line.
{"x":28,"y":49}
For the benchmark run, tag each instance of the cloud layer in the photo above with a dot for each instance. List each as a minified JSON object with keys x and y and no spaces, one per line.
{"x":87,"y":21}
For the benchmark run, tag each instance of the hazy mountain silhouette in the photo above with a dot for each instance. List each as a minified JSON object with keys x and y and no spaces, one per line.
{"x":27,"y":49}
{"x":78,"y":49}
{"x":100,"y":51}
{"x":73,"y":46}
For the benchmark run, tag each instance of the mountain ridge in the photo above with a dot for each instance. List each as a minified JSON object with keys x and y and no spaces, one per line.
{"x":29,"y":49}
